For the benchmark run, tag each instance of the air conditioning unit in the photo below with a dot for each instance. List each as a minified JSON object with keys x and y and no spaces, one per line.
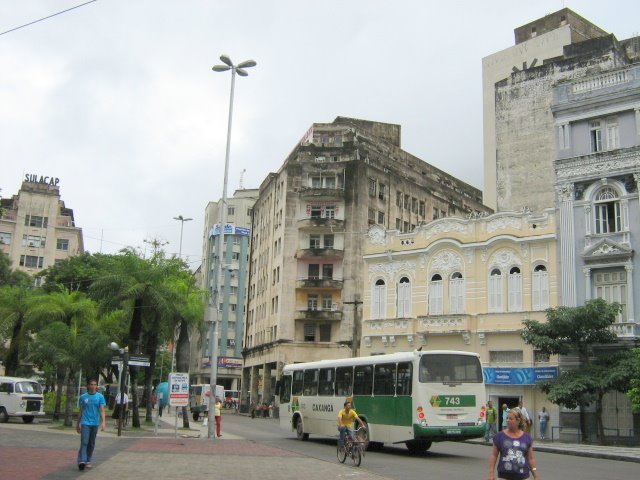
{"x":32,"y":244}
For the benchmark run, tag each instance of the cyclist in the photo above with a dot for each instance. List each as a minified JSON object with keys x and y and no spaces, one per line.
{"x":346,"y":416}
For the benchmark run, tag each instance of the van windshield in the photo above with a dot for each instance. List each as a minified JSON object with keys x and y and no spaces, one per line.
{"x":28,"y":387}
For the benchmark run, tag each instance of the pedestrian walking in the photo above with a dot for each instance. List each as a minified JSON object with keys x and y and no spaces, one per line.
{"x":91,"y":417}
{"x":491,"y":427}
{"x":505,"y":412}
{"x":121,"y":407}
{"x":513,"y":451}
{"x":543,"y":418}
{"x":218,"y":416}
{"x":527,"y":418}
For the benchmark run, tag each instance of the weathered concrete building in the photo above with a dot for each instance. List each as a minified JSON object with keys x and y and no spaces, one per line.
{"x":36,"y":228}
{"x":309,"y":225}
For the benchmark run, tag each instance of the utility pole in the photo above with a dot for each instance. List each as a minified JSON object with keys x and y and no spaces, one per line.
{"x":354,"y":333}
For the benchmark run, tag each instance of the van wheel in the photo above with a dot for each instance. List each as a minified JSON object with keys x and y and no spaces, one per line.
{"x":4,"y":418}
{"x":27,"y":419}
{"x":300,"y":431}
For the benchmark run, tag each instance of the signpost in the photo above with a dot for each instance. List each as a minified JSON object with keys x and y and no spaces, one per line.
{"x":178,"y":393}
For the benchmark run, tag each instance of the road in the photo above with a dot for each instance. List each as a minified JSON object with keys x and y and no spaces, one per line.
{"x":443,"y":460}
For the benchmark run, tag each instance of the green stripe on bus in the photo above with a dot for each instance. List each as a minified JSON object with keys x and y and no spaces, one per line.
{"x":384,"y":410}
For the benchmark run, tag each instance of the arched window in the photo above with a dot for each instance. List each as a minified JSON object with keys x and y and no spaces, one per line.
{"x":495,"y":291}
{"x":403,"y":307}
{"x":456,"y":293}
{"x":379,"y":300}
{"x":515,"y":290}
{"x":435,"y":295}
{"x":606,"y":208}
{"x":540,"y":288}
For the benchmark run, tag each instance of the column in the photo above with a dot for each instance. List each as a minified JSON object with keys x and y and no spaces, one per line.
{"x":630,"y":306}
{"x":587,"y":284}
{"x":567,"y":244}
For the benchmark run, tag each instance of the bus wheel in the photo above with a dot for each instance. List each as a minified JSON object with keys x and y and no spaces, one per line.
{"x":4,"y":418}
{"x":300,"y":431}
{"x":27,"y":419}
{"x":196,"y":416}
{"x":418,"y":446}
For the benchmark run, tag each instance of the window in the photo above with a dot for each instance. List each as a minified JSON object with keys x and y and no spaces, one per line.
{"x":495,"y":291}
{"x":327,"y":270}
{"x":596,"y":136}
{"x":5,"y":238}
{"x":298,"y":382}
{"x":31,"y":261}
{"x":344,"y":381}
{"x":325,"y":332}
{"x":231,"y":342}
{"x":312,"y":302}
{"x":403,"y":306}
{"x":285,"y":389}
{"x":403,"y":379}
{"x":36,"y":221}
{"x":382,"y":191}
{"x":435,"y":295}
{"x":314,"y":241}
{"x":327,"y":378}
{"x":563,"y":137}
{"x":384,"y":379}
{"x":398,"y":225}
{"x":372,"y":215}
{"x":540,"y":357}
{"x":328,"y":241}
{"x":515,"y":290}
{"x":456,"y":293}
{"x":450,"y":368}
{"x":33,"y":241}
{"x":330,"y":212}
{"x":540,"y":288}
{"x":607,"y":211}
{"x":309,"y":332}
{"x":327,"y":302}
{"x":372,"y":187}
{"x":381,"y":218}
{"x":613,"y":137}
{"x":231,"y":210}
{"x":379,"y":300}
{"x":421,"y":208}
{"x":363,"y":380}
{"x":407,"y":201}
{"x":611,"y":285}
{"x":330,"y":182}
{"x":316,"y":182}
{"x":316,"y":211}
{"x":235,"y":256}
{"x":505,"y":356}
{"x":399,"y":198}
{"x":414,"y":205}
{"x":314,"y":271}
{"x":310,"y":386}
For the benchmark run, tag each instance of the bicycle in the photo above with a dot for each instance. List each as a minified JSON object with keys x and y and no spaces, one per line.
{"x":353,"y":447}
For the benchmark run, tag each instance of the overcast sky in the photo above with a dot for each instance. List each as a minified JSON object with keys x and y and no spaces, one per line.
{"x":118,"y":100}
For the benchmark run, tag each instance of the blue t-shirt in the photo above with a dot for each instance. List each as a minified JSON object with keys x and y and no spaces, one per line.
{"x":91,"y":408}
{"x":513,"y":459}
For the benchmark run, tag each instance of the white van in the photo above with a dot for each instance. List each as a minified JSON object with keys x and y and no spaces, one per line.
{"x":199,"y":399}
{"x":20,"y":397}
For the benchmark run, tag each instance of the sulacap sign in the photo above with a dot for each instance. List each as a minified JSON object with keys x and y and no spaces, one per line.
{"x":33,"y":178}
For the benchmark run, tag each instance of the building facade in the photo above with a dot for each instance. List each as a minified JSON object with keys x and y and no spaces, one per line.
{"x":597,"y":124}
{"x":36,"y":228}
{"x":467,"y":284}
{"x":232,"y":284}
{"x":309,"y":225}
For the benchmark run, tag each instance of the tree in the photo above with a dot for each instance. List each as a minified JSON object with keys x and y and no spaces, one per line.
{"x":634,"y":390}
{"x":15,"y":304}
{"x":581,"y":331}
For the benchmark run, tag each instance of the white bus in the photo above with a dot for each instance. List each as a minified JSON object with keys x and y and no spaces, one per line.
{"x":414,"y":398}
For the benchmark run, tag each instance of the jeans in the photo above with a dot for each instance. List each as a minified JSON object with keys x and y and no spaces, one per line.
{"x":87,"y":442}
{"x":543,"y":429}
{"x":344,"y":431}
{"x":491,"y":431}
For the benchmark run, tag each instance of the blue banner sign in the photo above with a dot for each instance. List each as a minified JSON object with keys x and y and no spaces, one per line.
{"x":518,"y":376}
{"x":229,"y":229}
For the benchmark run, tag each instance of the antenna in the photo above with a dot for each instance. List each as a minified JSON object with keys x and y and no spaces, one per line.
{"x":241,"y":187}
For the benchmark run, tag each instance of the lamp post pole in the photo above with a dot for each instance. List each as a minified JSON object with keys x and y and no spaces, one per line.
{"x":222,"y":214}
{"x":181,"y":219}
{"x":354,"y":333}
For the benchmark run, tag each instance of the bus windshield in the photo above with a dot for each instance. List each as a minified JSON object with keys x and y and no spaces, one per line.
{"x":450,"y":368}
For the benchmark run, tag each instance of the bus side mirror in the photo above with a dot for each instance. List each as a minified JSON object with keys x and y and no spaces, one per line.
{"x":278,"y":387}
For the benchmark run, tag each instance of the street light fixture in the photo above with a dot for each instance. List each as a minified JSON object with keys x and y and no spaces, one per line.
{"x":181,"y":219}
{"x":222,"y":215}
{"x":124,"y":355}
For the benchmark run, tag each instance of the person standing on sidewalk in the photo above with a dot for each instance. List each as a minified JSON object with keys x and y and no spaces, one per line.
{"x":492,"y":419}
{"x":218,"y":415}
{"x":543,"y":417}
{"x":505,"y":413}
{"x":91,"y":416}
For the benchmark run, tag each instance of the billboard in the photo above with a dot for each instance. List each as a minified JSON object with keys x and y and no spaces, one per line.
{"x":518,"y":376}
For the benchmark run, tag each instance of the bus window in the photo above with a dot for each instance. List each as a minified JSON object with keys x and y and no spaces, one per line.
{"x":327,"y":377}
{"x":384,"y":379}
{"x":450,"y":368}
{"x":298,"y":377}
{"x":403,"y":381}
{"x":311,"y":382}
{"x":363,"y":380}
{"x":285,"y":389}
{"x":344,"y":381}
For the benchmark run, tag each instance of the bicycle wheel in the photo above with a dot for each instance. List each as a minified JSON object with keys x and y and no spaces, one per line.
{"x":342,"y":453}
{"x":356,"y":455}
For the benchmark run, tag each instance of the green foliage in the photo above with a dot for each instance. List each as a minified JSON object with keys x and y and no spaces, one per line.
{"x":76,"y":273}
{"x":634,"y":391}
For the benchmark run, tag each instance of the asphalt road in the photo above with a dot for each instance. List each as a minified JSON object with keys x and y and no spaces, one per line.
{"x":444,"y":460}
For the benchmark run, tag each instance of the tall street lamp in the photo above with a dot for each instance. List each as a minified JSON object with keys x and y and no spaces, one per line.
{"x":222,"y":215}
{"x":181,"y":219}
{"x":124,"y":356}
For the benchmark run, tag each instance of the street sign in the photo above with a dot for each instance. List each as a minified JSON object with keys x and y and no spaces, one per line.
{"x":139,"y":360}
{"x":178,"y":389}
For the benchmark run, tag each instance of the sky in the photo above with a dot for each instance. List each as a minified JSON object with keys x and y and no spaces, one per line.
{"x":117,"y":98}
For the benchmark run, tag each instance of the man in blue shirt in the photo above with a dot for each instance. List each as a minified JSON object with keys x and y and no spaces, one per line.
{"x":91,"y":416}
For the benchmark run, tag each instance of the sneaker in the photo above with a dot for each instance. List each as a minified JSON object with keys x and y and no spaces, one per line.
{"x":88,"y":465}
{"x":81,"y":466}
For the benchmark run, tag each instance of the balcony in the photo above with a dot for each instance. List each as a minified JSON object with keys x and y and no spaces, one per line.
{"x":311,"y":222}
{"x":626,"y":330}
{"x":319,"y":315}
{"x":319,"y":253}
{"x":316,"y":192}
{"x":435,"y":324}
{"x":311,"y":282}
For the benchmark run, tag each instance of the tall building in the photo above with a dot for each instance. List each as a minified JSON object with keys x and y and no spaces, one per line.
{"x":232,"y":285}
{"x":518,"y":129}
{"x":36,"y":229}
{"x":597,"y":167}
{"x":309,"y":225}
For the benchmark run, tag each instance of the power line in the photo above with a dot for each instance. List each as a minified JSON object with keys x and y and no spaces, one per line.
{"x":45,"y":18}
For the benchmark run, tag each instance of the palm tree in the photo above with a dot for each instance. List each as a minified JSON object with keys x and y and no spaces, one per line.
{"x":15,"y":304}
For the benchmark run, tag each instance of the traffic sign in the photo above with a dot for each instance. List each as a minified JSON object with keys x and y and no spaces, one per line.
{"x":178,"y":389}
